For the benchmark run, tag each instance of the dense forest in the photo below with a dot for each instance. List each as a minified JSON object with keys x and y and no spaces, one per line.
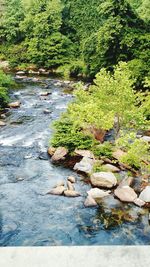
{"x":77,"y":37}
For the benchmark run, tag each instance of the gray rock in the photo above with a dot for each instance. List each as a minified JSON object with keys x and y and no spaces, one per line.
{"x":70,"y":193}
{"x":103,"y":179}
{"x":125,"y":194}
{"x":90,"y":202}
{"x":60,"y":154}
{"x":98,"y":193}
{"x":145,"y":194}
{"x":146,"y":138}
{"x":85,"y":165}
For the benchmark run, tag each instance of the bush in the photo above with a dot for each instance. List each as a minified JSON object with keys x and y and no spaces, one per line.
{"x":65,"y":134}
{"x":137,"y":150}
{"x":5,"y":83}
{"x":105,"y":149}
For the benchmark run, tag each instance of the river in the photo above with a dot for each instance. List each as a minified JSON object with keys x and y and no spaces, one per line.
{"x":30,"y":217}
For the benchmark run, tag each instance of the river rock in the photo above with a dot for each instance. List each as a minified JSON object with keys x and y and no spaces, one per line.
{"x":70,"y":186}
{"x":59,"y":190}
{"x":90,"y":202}
{"x":146,"y":138}
{"x":71,"y":179}
{"x":51,"y":151}
{"x":14,"y":104}
{"x":2,"y":123}
{"x":127,"y":181}
{"x":98,"y":193}
{"x":139,"y":202}
{"x":60,"y":154}
{"x":47,"y":111}
{"x":84,"y":153}
{"x":70,"y":193}
{"x":111,"y":168}
{"x":21,"y":72}
{"x":45,"y":93}
{"x":103,"y":179}
{"x":118,"y":154}
{"x":145,"y":194}
{"x":125,"y":194}
{"x":85,"y":165}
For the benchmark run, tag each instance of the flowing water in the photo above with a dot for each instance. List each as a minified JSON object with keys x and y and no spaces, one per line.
{"x":30,"y":217}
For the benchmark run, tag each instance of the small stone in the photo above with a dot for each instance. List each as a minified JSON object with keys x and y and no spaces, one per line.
{"x":45,"y":93}
{"x":111,"y":168}
{"x":2,"y":123}
{"x":51,"y":151}
{"x":103,"y":179}
{"x":145,"y":194}
{"x":47,"y":111}
{"x":59,"y":190}
{"x":14,"y":104}
{"x":90,"y":202}
{"x":71,"y":179}
{"x":84,"y":153}
{"x":146,"y":138}
{"x":85,"y":165}
{"x":60,"y":154}
{"x":118,"y":154}
{"x":70,"y":186}
{"x":20,"y":72}
{"x":139,"y":202}
{"x":125,"y":194}
{"x":98,"y":193}
{"x":3,"y":116}
{"x":70,"y":193}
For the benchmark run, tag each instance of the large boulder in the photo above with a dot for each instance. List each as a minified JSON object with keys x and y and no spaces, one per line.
{"x":90,"y":202}
{"x":145,"y":194}
{"x":103,"y":179}
{"x":98,"y":193}
{"x":84,"y":153}
{"x":125,"y":194}
{"x":60,"y":154}
{"x":14,"y":104}
{"x":85,"y":165}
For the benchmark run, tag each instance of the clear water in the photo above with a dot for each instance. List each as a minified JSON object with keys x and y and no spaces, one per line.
{"x":30,"y":217}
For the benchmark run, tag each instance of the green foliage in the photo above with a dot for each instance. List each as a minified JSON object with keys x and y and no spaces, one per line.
{"x":105,"y":149}
{"x":65,"y":134}
{"x":5,"y":83}
{"x":137,"y":150}
{"x":110,"y":103}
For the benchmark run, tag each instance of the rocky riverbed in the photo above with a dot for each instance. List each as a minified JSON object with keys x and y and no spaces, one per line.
{"x":30,"y":216}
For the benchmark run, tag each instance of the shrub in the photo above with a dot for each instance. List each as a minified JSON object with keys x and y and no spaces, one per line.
{"x":105,"y":149}
{"x":5,"y":83}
